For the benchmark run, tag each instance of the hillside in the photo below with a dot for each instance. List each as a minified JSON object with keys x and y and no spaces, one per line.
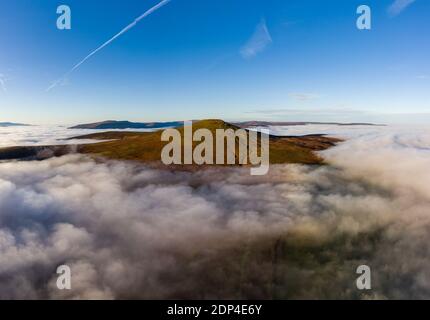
{"x":146,"y":147}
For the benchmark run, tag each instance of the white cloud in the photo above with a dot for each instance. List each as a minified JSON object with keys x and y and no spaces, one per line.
{"x":45,"y":135}
{"x":423,"y":77}
{"x":129,"y":231}
{"x":3,"y":82}
{"x":303,"y":96}
{"x":258,"y":41}
{"x":398,"y":6}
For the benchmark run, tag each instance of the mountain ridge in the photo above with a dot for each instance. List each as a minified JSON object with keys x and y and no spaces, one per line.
{"x":248,"y":124}
{"x":124,"y":124}
{"x":13,"y":124}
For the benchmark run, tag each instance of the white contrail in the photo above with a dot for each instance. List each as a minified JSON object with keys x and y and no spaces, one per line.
{"x":124,"y":30}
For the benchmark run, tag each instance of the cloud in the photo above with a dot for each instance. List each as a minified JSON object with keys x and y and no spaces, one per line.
{"x":423,"y":77}
{"x":304,"y":111}
{"x":45,"y":135}
{"x":258,"y":41}
{"x":3,"y":82}
{"x":124,"y":30}
{"x":303,"y":96}
{"x":338,"y":114}
{"x":398,"y":6}
{"x":129,"y":231}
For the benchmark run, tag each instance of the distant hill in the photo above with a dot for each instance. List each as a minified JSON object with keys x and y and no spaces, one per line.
{"x":12,"y":124}
{"x":248,"y":124}
{"x":112,"y":124}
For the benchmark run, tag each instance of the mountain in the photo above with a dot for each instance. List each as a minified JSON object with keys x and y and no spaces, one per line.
{"x":112,"y":124}
{"x":146,"y":147}
{"x":12,"y":124}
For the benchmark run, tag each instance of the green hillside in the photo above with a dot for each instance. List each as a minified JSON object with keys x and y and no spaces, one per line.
{"x":147,"y":146}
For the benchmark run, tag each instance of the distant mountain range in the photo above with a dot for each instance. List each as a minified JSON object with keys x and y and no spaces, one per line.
{"x":112,"y":124}
{"x":248,"y":124}
{"x":12,"y":124}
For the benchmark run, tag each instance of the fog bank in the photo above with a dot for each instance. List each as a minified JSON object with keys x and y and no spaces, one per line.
{"x":128,"y":231}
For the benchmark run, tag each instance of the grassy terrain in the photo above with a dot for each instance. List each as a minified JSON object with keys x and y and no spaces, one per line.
{"x":147,"y":146}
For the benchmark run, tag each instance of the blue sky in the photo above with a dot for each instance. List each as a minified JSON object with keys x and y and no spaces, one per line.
{"x":231,"y":59}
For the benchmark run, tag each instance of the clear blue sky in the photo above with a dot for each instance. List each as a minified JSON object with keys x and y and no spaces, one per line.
{"x":230,"y":59}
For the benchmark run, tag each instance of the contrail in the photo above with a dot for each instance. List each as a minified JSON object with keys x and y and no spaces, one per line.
{"x":124,"y":30}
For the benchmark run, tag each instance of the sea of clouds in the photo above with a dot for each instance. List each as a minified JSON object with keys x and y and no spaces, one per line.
{"x":128,"y":231}
{"x":47,"y":135}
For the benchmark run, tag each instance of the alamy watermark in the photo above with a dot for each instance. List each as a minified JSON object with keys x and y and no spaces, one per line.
{"x":364,"y":281}
{"x":364,"y":21}
{"x":232,"y":147}
{"x":64,"y":280}
{"x":64,"y":21}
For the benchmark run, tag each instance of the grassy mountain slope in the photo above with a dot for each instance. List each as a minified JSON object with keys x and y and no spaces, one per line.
{"x":146,"y":147}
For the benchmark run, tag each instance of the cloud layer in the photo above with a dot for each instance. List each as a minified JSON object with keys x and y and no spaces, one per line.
{"x":46,"y":135}
{"x":128,"y":231}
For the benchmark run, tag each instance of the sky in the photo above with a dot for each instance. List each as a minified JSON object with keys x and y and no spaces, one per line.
{"x":296,"y":60}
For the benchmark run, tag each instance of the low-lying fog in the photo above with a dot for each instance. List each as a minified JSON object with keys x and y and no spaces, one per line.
{"x":128,"y":231}
{"x":47,"y":135}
